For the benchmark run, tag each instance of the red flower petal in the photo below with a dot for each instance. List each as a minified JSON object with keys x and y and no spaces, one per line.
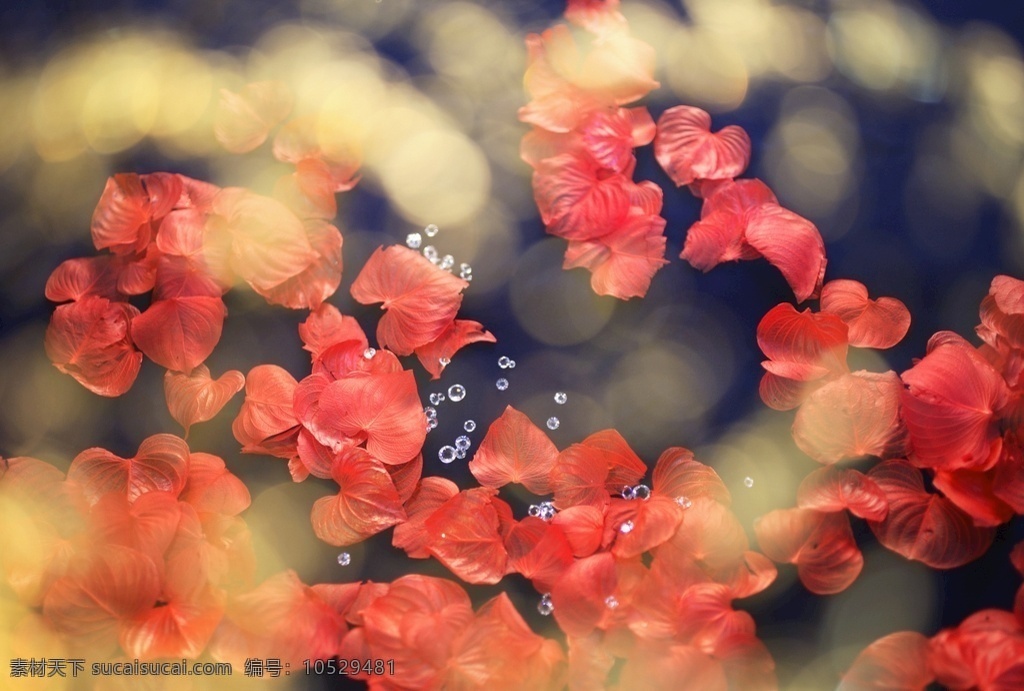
{"x":366,"y":504}
{"x":420,"y":300}
{"x":268,"y":243}
{"x":898,"y":662}
{"x":121,"y":219}
{"x":459,"y":334}
{"x":790,"y":243}
{"x":624,"y":261}
{"x":197,"y":397}
{"x":639,"y":526}
{"x":164,"y":191}
{"x":147,"y":525}
{"x":855,"y":415}
{"x":406,"y":477}
{"x":77,"y":278}
{"x":583,"y":527}
{"x":267,"y":411}
{"x":1001,"y":312}
{"x":949,"y":406}
{"x":515,"y":450}
{"x":880,"y":323}
{"x":835,"y":489}
{"x":922,"y":526}
{"x":326,"y":326}
{"x":820,"y":544}
{"x":539,"y":551}
{"x":89,"y":339}
{"x":319,"y":280}
{"x":138,"y":275}
{"x":99,"y":594}
{"x":579,"y":596}
{"x":243,"y":120}
{"x":608,"y":137}
{"x":211,"y":487}
{"x":464,"y":536}
{"x":678,"y":474}
{"x":382,"y":408}
{"x":412,"y":535}
{"x":160,"y":464}
{"x":179,"y":333}
{"x":181,"y":627}
{"x":709,"y":534}
{"x":687,"y":150}
{"x":975,"y":493}
{"x":577,"y":199}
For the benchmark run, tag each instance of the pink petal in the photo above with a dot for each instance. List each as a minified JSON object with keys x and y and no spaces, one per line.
{"x":515,"y":450}
{"x":687,"y":150}
{"x":835,"y":489}
{"x":197,"y":397}
{"x":121,"y":219}
{"x":880,"y":323}
{"x":820,"y":544}
{"x":897,"y":662}
{"x":160,"y":464}
{"x":790,"y":243}
{"x":366,"y":504}
{"x":458,"y":335}
{"x":179,"y":333}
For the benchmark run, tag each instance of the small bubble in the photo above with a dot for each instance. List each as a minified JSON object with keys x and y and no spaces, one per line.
{"x":447,"y":262}
{"x":561,"y":398}
{"x":444,"y":362}
{"x":610,"y":602}
{"x":447,"y":454}
{"x":547,"y":510}
{"x":642,"y":492}
{"x":684,"y":502}
{"x":436,"y":398}
{"x":628,"y":492}
{"x":626,"y":527}
{"x":748,"y":481}
{"x":503,"y":362}
{"x":469,"y":425}
{"x":462,"y":442}
{"x":369,"y":353}
{"x":511,"y":364}
{"x":460,"y":453}
{"x":545,"y":606}
{"x":456,"y":392}
{"x":432,"y":424}
{"x":431,"y":230}
{"x":553,"y":423}
{"x":502,"y":384}
{"x":534,"y":510}
{"x":413,"y":241}
{"x":430,"y":411}
{"x":430,"y":252}
{"x":344,"y":558}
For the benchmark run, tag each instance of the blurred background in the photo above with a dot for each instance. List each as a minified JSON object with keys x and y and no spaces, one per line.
{"x":897,"y":127}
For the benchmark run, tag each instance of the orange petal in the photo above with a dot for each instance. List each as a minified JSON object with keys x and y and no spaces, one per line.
{"x":820,"y":544}
{"x":160,"y":464}
{"x":515,"y":450}
{"x":880,"y":323}
{"x":459,"y":334}
{"x":197,"y":397}
{"x":898,"y":661}
{"x":687,"y":150}
{"x":464,"y":536}
{"x":243,"y":120}
{"x":366,"y":504}
{"x":835,"y":489}
{"x":267,"y":412}
{"x":179,"y":333}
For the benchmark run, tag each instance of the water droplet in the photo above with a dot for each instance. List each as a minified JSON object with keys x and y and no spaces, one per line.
{"x":456,"y":392}
{"x":642,"y":492}
{"x":369,"y":353}
{"x":469,"y":425}
{"x":444,"y":536}
{"x":462,"y":442}
{"x":534,"y":510}
{"x":511,"y":364}
{"x":447,"y":262}
{"x":413,"y":241}
{"x":628,"y":492}
{"x":444,"y":362}
{"x":503,"y":362}
{"x":446,"y":454}
{"x":626,"y":527}
{"x":553,"y":423}
{"x":561,"y":398}
{"x":430,"y":252}
{"x":684,"y":502}
{"x":545,"y":606}
{"x":344,"y":558}
{"x":502,"y":384}
{"x":431,"y":230}
{"x":436,"y":398}
{"x":748,"y":481}
{"x":610,"y":602}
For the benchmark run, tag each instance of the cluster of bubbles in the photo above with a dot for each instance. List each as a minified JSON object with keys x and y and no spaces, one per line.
{"x":545,"y":606}
{"x":545,"y":510}
{"x":431,"y":413}
{"x":642,"y":492}
{"x":446,"y":262}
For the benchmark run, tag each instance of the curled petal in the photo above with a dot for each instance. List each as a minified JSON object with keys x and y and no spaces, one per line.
{"x":412,"y":536}
{"x":539,"y":551}
{"x":580,"y":594}
{"x":326,"y":326}
{"x":790,"y":243}
{"x":179,"y":333}
{"x":820,"y":544}
{"x":267,"y":411}
{"x":624,"y":261}
{"x":687,"y":150}
{"x":458,"y":335}
{"x":678,"y":474}
{"x":121,"y":219}
{"x":880,"y":323}
{"x":583,"y":527}
{"x":922,"y":526}
{"x":976,"y":493}
{"x":77,"y":278}
{"x":420,"y":301}
{"x":90,"y":340}
{"x":577,"y":201}
{"x":515,"y":450}
{"x":318,"y":281}
{"x":835,"y":489}
{"x":1002,"y":312}
{"x":464,"y":536}
{"x":855,"y":415}
{"x":898,"y":661}
{"x":161,"y":464}
{"x":197,"y":397}
{"x":366,"y":504}
{"x":213,"y":488}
